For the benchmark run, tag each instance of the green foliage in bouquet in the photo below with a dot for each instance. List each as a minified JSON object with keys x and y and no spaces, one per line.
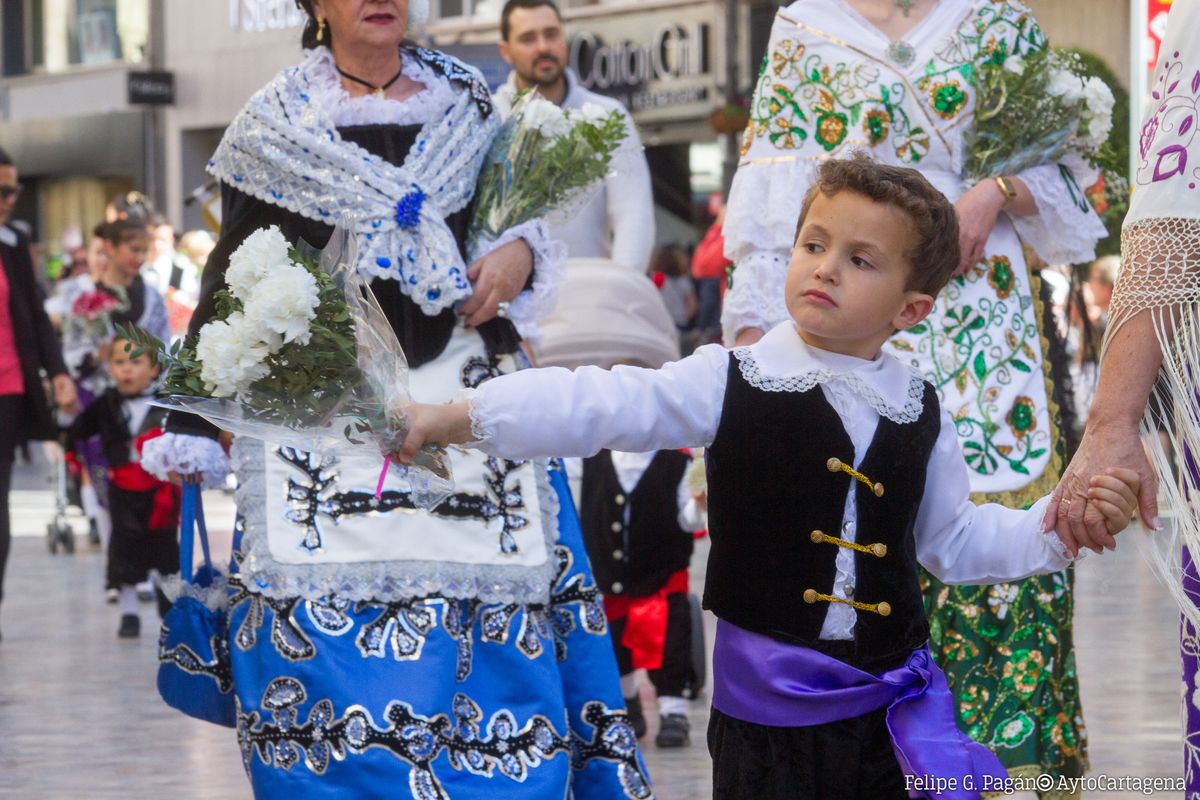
{"x":540,"y":161}
{"x":306,"y":382}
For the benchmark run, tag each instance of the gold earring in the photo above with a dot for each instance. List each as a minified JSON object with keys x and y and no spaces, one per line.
{"x":320,"y":29}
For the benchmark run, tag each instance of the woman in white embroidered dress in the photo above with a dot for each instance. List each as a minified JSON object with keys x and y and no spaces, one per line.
{"x":457,"y":653}
{"x":893,"y":78}
{"x":1152,"y":335}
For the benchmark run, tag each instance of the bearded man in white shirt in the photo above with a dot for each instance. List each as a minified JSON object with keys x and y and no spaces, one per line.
{"x":618,"y":223}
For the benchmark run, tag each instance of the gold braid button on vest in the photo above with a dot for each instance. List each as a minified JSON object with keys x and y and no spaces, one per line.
{"x":810,"y":596}
{"x":817,"y":537}
{"x":877,"y":489}
{"x":883,"y":609}
{"x":879,"y":549}
{"x":834,"y":465}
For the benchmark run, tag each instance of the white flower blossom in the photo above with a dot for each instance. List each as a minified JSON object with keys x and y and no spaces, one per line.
{"x":1015,"y":64}
{"x":254,"y":259}
{"x":284,"y":303}
{"x":1065,"y":84}
{"x":592,"y":113}
{"x":231,"y":355}
{"x":546,"y":118}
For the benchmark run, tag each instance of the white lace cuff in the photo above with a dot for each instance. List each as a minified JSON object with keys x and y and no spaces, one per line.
{"x":214,"y":597}
{"x":178,"y":452}
{"x":756,"y":299}
{"x":1065,"y":229}
{"x":480,"y":431}
{"x":549,"y":271}
{"x":1060,"y":549}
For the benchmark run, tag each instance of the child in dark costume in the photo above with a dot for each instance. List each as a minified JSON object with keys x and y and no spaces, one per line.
{"x":144,"y":509}
{"x":638,"y":518}
{"x":832,"y":473}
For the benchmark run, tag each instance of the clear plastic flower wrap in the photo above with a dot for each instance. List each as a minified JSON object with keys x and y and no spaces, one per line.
{"x":544,"y":162}
{"x":300,"y":354}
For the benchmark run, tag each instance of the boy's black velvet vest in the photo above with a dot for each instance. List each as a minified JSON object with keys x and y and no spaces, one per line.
{"x":637,"y":558}
{"x":769,"y":488}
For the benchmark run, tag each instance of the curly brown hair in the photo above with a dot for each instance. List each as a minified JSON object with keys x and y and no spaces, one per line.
{"x":935,"y":256}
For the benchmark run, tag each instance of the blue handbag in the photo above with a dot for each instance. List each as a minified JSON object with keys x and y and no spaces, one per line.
{"x":194,"y":673}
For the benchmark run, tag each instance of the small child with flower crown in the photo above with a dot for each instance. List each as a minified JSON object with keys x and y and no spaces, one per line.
{"x":144,"y":509}
{"x":832,"y":473}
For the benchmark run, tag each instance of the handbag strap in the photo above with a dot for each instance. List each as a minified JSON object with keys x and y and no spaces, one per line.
{"x":191,"y":524}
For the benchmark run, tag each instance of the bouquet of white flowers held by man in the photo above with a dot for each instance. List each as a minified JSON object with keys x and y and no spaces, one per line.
{"x":299,"y":354}
{"x":544,"y":162}
{"x":1035,"y":109}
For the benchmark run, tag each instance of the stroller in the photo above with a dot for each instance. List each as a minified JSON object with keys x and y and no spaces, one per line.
{"x":68,"y":473}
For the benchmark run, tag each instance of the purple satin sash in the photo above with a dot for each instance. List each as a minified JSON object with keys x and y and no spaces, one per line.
{"x":760,"y":680}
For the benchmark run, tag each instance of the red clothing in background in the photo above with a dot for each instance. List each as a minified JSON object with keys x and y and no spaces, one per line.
{"x":11,"y":381}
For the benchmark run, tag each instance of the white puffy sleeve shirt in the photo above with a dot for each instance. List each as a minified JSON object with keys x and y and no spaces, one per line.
{"x":556,"y":412}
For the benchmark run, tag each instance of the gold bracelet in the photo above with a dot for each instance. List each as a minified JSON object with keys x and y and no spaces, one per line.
{"x":1006,"y":189}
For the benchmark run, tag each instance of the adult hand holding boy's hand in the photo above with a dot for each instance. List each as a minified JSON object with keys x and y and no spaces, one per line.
{"x":435,"y":424}
{"x":1115,"y":496}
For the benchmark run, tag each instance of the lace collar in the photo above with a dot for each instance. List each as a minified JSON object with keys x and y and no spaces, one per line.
{"x":326,"y":88}
{"x":783,"y":362}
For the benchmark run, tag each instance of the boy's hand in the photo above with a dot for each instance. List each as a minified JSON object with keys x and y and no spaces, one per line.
{"x":435,"y":424}
{"x":1115,"y":496}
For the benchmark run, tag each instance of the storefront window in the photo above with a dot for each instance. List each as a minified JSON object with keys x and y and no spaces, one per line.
{"x":477,"y":10}
{"x":67,"y":33}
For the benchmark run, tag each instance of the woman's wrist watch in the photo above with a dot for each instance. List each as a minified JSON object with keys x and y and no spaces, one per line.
{"x":1007,"y":189}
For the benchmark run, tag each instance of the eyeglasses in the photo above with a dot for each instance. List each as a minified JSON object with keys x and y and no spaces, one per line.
{"x":10,"y":192}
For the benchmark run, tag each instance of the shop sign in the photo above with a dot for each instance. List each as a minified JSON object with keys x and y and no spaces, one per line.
{"x":151,"y":88}
{"x":658,"y":64}
{"x":254,"y":16}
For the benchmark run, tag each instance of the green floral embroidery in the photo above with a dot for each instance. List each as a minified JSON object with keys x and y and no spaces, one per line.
{"x":947,"y":99}
{"x":831,"y":129}
{"x":1024,"y":672}
{"x":978,"y":347}
{"x":875,"y":125}
{"x":1013,"y":731}
{"x":799,"y":97}
{"x":1000,"y":276}
{"x":996,"y":31}
{"x":957,"y":649}
{"x":1022,"y":417}
{"x":1063,"y":734}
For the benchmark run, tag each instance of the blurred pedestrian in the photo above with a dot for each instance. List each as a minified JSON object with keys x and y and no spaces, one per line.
{"x":669,"y":271}
{"x":709,"y":266}
{"x":127,"y":244}
{"x":27,"y":345}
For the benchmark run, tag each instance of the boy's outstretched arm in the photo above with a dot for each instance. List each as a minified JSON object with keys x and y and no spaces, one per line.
{"x":538,"y":413}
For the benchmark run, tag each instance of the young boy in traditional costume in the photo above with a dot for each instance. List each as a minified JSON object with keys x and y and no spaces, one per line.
{"x":144,"y":509}
{"x":832,"y":472}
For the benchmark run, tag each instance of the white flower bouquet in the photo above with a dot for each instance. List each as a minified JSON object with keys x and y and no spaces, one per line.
{"x":299,"y":354}
{"x":1033,"y":110}
{"x":543,"y":161}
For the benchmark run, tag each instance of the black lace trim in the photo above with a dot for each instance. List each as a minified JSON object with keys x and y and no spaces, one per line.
{"x":458,"y":73}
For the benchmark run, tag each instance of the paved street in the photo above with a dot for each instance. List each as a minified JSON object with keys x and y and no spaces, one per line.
{"x":80,"y":717}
